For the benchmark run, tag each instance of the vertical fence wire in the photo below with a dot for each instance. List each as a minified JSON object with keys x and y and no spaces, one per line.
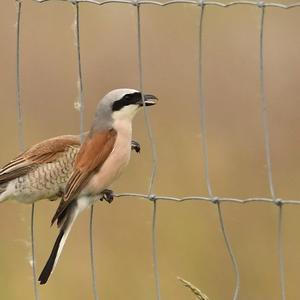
{"x":280,"y":251}
{"x":79,"y":65}
{"x":22,"y":142}
{"x":81,"y":106}
{"x":154,"y":156}
{"x":18,"y":81}
{"x":202,"y":102}
{"x":146,"y":115}
{"x":267,"y":148}
{"x":263,"y":102}
{"x":92,"y":255}
{"x":203,"y":134}
{"x":33,"y":261}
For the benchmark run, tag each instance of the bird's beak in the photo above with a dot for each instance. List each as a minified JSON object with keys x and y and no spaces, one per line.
{"x":149,"y":100}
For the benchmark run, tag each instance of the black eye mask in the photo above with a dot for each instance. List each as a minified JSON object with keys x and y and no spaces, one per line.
{"x":128,"y":99}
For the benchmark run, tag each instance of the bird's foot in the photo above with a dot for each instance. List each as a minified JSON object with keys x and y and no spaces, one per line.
{"x":107,"y":195}
{"x":135,"y":146}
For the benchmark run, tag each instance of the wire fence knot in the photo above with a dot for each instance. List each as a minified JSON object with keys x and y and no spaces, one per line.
{"x":152,"y":197}
{"x":135,"y":3}
{"x":215,"y":200}
{"x":261,"y":4}
{"x":201,"y":3}
{"x":278,"y":202}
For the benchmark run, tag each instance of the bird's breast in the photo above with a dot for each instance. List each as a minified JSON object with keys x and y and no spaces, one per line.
{"x":116,"y":161}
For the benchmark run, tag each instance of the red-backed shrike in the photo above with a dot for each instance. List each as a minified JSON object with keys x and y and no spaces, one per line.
{"x":101,"y":159}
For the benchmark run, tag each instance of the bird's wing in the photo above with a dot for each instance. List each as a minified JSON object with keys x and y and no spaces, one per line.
{"x":44,"y":152}
{"x":92,"y":154}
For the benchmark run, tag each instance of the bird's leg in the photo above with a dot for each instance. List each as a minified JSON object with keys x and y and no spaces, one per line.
{"x":135,"y":146}
{"x":107,"y":195}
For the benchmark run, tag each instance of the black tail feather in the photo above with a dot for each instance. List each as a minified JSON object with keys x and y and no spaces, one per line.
{"x":65,"y":225}
{"x":60,"y":213}
{"x":43,"y":278}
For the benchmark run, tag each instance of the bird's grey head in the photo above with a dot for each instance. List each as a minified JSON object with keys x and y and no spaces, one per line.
{"x":120,"y":104}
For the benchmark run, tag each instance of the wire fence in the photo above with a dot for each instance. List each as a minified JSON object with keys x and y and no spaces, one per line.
{"x":262,"y":7}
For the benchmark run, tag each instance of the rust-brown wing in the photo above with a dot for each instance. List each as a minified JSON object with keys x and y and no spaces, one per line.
{"x":92,"y":154}
{"x":44,"y":152}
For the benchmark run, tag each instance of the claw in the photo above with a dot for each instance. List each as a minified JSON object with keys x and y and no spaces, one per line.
{"x":135,"y":146}
{"x":107,"y":195}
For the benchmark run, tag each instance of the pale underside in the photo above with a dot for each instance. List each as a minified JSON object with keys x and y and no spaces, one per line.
{"x":116,"y":161}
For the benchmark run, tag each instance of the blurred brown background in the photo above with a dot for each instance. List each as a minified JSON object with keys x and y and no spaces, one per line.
{"x":190,"y":242}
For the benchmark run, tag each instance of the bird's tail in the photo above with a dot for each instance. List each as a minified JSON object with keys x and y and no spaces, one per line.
{"x":70,"y":216}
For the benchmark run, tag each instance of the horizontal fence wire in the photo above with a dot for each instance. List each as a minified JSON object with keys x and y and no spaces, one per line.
{"x":214,"y":199}
{"x":200,"y":2}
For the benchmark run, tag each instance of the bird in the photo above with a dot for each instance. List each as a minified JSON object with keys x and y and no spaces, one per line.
{"x":101,"y":159}
{"x":42,"y":171}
